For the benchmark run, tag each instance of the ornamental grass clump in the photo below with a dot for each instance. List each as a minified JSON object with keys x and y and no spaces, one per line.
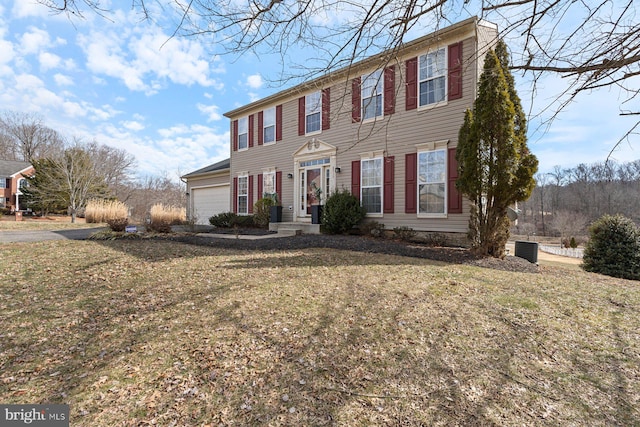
{"x":613,"y":248}
{"x":163,"y":217}
{"x":101,"y":210}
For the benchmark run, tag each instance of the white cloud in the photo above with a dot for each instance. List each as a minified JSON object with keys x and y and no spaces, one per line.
{"x":255,"y":81}
{"x":34,"y":41}
{"x":147,"y":59}
{"x":29,"y":8}
{"x":133,"y":125}
{"x":48,"y":61}
{"x":8,"y":53}
{"x":211,"y":111}
{"x":62,"y":80}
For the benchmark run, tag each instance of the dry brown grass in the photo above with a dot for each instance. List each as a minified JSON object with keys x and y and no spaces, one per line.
{"x":155,"y":332}
{"x":100,"y":210}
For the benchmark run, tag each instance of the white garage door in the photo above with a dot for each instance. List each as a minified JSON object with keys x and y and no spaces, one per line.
{"x":210,"y":201}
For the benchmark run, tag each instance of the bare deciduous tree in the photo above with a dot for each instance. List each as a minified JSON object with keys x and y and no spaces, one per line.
{"x":25,"y":137}
{"x":592,"y":44}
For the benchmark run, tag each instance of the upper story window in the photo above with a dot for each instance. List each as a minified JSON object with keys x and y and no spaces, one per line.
{"x":432,"y":175}
{"x":432,"y":77}
{"x":243,"y":133}
{"x":372,"y":90}
{"x":269,"y":125}
{"x":3,"y":183}
{"x":371,"y":185}
{"x":313,"y":112}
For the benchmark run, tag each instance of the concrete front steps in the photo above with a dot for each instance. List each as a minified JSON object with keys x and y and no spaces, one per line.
{"x":294,"y":228}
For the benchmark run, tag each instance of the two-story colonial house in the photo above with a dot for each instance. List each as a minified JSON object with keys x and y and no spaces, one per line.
{"x":12,"y":175}
{"x":385,"y":128}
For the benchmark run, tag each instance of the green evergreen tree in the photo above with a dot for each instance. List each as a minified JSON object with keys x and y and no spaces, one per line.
{"x":496,"y":166}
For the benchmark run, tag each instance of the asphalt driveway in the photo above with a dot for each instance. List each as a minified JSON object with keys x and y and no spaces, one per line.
{"x":41,"y":235}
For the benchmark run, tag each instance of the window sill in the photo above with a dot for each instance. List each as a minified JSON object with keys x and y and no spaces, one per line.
{"x":432,"y":106}
{"x":432,"y":216}
{"x":317,"y":132}
{"x":374,"y":215}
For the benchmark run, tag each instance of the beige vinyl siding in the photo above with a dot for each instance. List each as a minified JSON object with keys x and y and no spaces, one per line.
{"x":397,"y":135}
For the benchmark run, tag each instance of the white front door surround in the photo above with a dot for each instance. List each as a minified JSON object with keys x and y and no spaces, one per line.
{"x":314,"y":165}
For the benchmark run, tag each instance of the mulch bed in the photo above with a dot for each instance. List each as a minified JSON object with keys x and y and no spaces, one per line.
{"x":361,"y":244}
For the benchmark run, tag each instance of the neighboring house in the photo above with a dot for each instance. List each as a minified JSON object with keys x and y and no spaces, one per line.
{"x":12,"y":175}
{"x":208,"y":192}
{"x":385,"y":128}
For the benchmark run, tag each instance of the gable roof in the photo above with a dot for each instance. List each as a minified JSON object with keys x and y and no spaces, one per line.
{"x":376,"y":60}
{"x":221,"y":166}
{"x":9,"y":168}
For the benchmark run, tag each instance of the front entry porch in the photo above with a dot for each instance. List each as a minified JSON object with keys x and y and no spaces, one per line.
{"x":294,"y":228}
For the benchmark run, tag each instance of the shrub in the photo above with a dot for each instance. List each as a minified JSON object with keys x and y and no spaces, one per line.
{"x":435,"y":239}
{"x":230,"y":219}
{"x":341,"y":212}
{"x":118,"y":224}
{"x":572,"y":243}
{"x":404,"y":232}
{"x":101,"y":210}
{"x":613,"y":248}
{"x":372,"y":228}
{"x":261,"y":211}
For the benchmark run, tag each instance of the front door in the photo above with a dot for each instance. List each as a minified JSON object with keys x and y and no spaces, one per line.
{"x":314,"y":182}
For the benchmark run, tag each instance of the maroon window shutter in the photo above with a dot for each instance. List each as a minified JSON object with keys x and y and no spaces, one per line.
{"x":235,"y":194}
{"x":250,"y":198}
{"x":411,"y":98}
{"x":279,"y":123}
{"x":260,"y":128}
{"x":411,"y":183}
{"x":455,"y":71}
{"x":279,"y":186}
{"x":301,"y":120}
{"x":251,"y":131}
{"x":356,"y":101}
{"x":454,"y":198}
{"x":355,"y":178}
{"x":260,"y":185}
{"x":389,"y":90}
{"x":234,"y":135}
{"x":326,"y":109}
{"x":389,"y":163}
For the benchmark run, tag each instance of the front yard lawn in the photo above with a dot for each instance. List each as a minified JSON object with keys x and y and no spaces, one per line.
{"x":157,"y":332}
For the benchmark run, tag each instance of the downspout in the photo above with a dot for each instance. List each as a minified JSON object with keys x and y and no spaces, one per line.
{"x":188,"y":194}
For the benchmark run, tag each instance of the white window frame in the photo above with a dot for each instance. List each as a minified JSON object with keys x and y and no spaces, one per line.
{"x":436,"y":73}
{"x":379,"y":184}
{"x":269,"y":121}
{"x":313,"y":107}
{"x":424,"y":179}
{"x":372,"y":90}
{"x":268,"y":183}
{"x":243,"y":130}
{"x":245,"y":195}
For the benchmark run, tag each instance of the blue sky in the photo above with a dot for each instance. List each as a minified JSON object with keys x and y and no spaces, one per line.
{"x":125,"y":82}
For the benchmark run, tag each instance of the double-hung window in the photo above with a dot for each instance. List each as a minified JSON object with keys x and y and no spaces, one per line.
{"x":371,"y":185}
{"x":432,"y":77}
{"x":268,"y":184}
{"x":243,"y":194}
{"x":372,"y":90}
{"x":313,"y":112}
{"x":243,"y":133}
{"x":269,"y":125}
{"x":432,"y":175}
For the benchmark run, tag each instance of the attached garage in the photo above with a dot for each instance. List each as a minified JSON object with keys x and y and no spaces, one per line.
{"x":209,"y":201}
{"x":208,"y":192}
